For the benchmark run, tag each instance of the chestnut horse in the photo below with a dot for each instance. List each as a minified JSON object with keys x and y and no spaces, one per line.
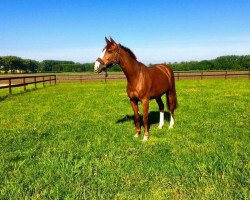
{"x":143,"y":83}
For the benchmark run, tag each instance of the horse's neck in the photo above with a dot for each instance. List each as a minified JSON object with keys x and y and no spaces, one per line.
{"x":130,"y":66}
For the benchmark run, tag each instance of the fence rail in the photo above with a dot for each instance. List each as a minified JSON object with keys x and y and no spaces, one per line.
{"x":178,"y":75}
{"x":23,"y":80}
{"x":213,"y":74}
{"x":19,"y":81}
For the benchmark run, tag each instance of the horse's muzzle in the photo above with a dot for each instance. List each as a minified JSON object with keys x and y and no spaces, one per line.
{"x":100,"y":69}
{"x":99,"y":65}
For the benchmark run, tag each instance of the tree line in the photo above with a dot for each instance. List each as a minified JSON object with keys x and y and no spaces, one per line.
{"x":232,"y":62}
{"x":14,"y":64}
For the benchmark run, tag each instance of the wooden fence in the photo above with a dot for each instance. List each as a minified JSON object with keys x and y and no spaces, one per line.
{"x":212,"y":74}
{"x":19,"y":81}
{"x":80,"y":77}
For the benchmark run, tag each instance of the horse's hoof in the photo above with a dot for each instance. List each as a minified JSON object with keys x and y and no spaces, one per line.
{"x":170,"y":127}
{"x":160,"y":127}
{"x":137,"y":135}
{"x":145,"y":138}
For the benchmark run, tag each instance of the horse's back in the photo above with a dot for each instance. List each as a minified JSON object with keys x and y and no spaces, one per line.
{"x":164,"y":68}
{"x":161,"y":72}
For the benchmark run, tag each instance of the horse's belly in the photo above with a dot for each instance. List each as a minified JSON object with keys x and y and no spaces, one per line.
{"x":155,"y":95}
{"x":158,"y":90}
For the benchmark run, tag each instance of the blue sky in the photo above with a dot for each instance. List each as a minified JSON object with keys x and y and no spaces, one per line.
{"x":157,"y":31}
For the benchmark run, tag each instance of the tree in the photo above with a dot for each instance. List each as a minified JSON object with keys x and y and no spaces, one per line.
{"x":1,"y":64}
{"x":204,"y":65}
{"x":17,"y":64}
{"x":116,"y":68}
{"x":89,"y":67}
{"x":30,"y":66}
{"x":12,"y":63}
{"x":48,"y":64}
{"x":245,"y":62}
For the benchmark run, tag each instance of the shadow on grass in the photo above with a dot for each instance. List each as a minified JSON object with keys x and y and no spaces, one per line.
{"x":2,"y":98}
{"x":153,"y":118}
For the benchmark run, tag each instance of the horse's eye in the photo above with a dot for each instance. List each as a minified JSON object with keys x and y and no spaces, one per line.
{"x":109,"y":51}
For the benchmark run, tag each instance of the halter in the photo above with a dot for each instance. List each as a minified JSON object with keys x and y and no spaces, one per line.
{"x":116,"y":61}
{"x":109,"y":64}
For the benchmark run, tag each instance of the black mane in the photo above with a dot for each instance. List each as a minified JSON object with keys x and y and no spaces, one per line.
{"x":129,"y":51}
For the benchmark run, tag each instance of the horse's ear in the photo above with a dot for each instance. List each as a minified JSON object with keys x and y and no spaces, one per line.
{"x":111,"y":40}
{"x":107,"y":41}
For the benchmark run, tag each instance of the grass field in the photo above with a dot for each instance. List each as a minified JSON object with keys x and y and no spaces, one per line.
{"x":75,"y":141}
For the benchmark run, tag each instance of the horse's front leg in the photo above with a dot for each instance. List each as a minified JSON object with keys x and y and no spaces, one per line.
{"x":134,"y":105}
{"x":145,"y":107}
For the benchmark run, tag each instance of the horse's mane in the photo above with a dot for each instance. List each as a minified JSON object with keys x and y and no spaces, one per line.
{"x":129,"y":51}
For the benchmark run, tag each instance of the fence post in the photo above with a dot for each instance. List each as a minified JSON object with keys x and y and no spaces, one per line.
{"x":35,"y":81}
{"x":43,"y":82}
{"x":49,"y":79}
{"x":55,"y":79}
{"x":226,"y":74}
{"x":81,"y":78}
{"x":24,"y":84}
{"x":10,"y":91}
{"x":201,"y":74}
{"x":105,"y":77}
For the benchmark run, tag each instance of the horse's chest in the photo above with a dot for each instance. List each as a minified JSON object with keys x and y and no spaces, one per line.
{"x":138,"y":89}
{"x":136,"y":93}
{"x":133,"y":94}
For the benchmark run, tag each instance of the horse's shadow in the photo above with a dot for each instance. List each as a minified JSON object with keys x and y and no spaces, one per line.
{"x":153,"y":118}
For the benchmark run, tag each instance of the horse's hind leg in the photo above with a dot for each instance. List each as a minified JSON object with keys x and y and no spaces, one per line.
{"x":172,"y":103}
{"x":145,"y":107}
{"x":161,"y":109}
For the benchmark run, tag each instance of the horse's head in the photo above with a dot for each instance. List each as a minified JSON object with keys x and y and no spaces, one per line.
{"x":109,"y":56}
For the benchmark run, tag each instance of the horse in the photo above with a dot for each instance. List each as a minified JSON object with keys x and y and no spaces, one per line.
{"x":143,"y":83}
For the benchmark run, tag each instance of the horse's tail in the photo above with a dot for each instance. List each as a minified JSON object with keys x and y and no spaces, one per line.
{"x":172,"y":100}
{"x":171,"y":95}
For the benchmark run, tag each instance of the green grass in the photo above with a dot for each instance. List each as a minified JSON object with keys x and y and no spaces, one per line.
{"x":75,"y":141}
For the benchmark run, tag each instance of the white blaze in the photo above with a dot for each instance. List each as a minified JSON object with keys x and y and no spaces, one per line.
{"x":161,"y":123}
{"x":97,"y":64}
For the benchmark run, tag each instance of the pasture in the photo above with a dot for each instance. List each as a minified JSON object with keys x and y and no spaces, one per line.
{"x":75,"y":141}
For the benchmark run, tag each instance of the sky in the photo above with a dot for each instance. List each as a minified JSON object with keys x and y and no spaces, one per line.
{"x":155,"y":30}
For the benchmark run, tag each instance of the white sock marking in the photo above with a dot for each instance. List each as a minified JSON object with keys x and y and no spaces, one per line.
{"x":171,"y":121}
{"x":145,"y":138}
{"x":161,"y":123}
